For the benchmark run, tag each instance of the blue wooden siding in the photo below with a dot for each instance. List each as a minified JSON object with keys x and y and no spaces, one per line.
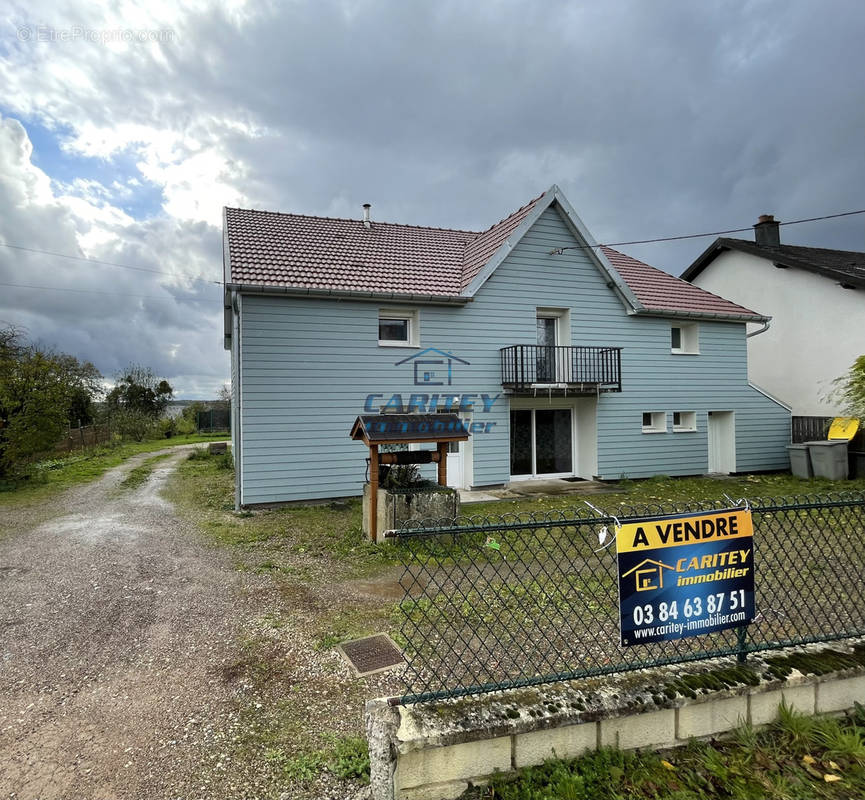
{"x":308,"y":365}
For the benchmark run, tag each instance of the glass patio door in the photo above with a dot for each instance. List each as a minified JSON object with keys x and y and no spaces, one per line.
{"x":541,"y":442}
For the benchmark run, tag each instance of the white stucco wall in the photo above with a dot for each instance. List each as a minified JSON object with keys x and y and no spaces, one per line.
{"x":817,"y":329}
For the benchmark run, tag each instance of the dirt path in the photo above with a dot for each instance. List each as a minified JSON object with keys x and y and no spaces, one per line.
{"x":115,"y":621}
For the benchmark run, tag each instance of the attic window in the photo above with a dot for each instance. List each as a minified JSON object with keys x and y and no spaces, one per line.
{"x":398,"y":327}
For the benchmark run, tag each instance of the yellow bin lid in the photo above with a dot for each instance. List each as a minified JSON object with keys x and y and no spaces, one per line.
{"x":843,"y":428}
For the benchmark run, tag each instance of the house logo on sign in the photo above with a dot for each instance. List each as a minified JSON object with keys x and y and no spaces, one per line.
{"x":432,"y":367}
{"x":649,"y":575}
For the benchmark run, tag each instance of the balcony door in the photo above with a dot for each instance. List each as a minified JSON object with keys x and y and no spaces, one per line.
{"x":542,"y":442}
{"x":546,"y":355}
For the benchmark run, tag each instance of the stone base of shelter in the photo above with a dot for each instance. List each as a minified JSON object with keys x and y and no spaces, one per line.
{"x":395,"y":508}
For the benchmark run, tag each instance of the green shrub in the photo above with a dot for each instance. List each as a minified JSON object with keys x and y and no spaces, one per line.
{"x":350,"y":759}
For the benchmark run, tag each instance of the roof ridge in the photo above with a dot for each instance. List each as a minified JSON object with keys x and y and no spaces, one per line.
{"x":354,"y":219}
{"x":513,"y":213}
{"x":796,"y":246}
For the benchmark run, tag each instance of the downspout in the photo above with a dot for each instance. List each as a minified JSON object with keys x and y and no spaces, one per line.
{"x":238,"y":454}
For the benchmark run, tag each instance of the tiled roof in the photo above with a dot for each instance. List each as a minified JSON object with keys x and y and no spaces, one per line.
{"x":659,"y":291}
{"x":484,"y":245}
{"x":844,"y":266}
{"x":272,"y":249}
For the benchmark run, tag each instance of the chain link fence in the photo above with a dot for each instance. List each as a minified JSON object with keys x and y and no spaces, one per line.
{"x":518,"y":600}
{"x":213,"y":420}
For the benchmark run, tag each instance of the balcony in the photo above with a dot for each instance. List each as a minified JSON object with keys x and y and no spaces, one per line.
{"x":528,"y":368}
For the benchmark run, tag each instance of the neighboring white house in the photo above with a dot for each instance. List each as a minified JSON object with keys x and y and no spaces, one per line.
{"x":816,"y":298}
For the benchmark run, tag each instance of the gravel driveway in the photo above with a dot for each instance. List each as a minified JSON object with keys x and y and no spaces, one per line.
{"x":115,"y":621}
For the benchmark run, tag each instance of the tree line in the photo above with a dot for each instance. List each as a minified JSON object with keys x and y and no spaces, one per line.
{"x":43,"y":392}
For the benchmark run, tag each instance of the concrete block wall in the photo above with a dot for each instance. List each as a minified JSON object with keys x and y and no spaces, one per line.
{"x":434,"y":751}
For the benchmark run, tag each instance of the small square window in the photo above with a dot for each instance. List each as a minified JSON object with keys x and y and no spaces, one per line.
{"x":654,"y":422}
{"x":393,"y":330}
{"x":684,"y":421}
{"x":398,"y":328}
{"x":685,"y":338}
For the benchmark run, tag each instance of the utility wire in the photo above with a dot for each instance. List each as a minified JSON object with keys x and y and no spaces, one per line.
{"x":710,"y":233}
{"x":557,"y":250}
{"x":81,"y":291}
{"x":82,"y":258}
{"x":89,"y":260}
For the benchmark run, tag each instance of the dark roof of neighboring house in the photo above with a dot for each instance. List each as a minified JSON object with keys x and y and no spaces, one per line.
{"x":843,"y":266}
{"x":659,"y":291}
{"x":311,"y":254}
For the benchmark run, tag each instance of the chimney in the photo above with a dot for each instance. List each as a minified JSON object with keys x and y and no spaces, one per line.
{"x":767,"y":232}
{"x":366,"y":222}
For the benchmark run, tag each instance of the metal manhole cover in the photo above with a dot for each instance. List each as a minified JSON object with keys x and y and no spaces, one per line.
{"x":371,"y":654}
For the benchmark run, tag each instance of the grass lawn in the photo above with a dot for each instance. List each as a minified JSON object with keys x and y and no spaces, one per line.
{"x":673,"y":491}
{"x":798,"y":758}
{"x":55,"y":475}
{"x":327,"y":585}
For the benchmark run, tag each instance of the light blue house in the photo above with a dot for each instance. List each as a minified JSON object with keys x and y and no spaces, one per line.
{"x":563,"y":357}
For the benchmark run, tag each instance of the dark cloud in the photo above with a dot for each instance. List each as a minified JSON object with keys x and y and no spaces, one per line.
{"x":655,"y":118}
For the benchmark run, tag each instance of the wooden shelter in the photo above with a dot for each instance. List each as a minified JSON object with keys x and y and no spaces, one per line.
{"x":384,"y":429}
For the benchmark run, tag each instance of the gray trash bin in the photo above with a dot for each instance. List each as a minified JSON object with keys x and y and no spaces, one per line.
{"x":856,"y":461}
{"x":829,"y":459}
{"x":800,"y":460}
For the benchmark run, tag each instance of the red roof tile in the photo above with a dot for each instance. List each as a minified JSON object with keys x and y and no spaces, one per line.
{"x":659,"y":291}
{"x":273,"y":249}
{"x":291,"y":250}
{"x":484,"y":245}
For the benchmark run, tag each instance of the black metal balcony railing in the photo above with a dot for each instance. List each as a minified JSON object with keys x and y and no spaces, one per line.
{"x":528,"y":366}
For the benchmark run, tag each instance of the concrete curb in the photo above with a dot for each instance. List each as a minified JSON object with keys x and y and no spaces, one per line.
{"x":435,"y":750}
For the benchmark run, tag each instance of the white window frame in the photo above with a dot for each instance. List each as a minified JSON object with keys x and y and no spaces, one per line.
{"x":687,"y":421}
{"x":689,"y":338}
{"x":411,"y":316}
{"x":658,"y":422}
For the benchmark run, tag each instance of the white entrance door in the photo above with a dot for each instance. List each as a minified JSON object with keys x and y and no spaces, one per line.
{"x":459,"y":460}
{"x":722,"y":442}
{"x":455,"y":466}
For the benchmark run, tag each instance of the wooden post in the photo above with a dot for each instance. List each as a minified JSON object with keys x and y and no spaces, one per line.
{"x":373,"y":492}
{"x":442,"y":448}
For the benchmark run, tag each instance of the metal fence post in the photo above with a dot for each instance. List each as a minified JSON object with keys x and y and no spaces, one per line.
{"x":741,"y":644}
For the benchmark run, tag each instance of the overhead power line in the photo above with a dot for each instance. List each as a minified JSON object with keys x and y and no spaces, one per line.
{"x":82,"y":258}
{"x":556,"y":250}
{"x":90,"y":260}
{"x":82,"y":291}
{"x":710,"y":233}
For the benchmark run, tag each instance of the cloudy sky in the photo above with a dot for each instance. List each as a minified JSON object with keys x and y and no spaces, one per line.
{"x":125,"y":129}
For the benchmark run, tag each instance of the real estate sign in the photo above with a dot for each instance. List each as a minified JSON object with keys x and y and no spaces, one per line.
{"x":685,"y":575}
